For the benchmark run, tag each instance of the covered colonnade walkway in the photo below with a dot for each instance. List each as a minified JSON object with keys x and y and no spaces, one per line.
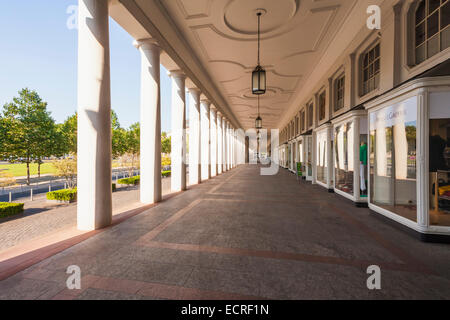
{"x":353,"y":109}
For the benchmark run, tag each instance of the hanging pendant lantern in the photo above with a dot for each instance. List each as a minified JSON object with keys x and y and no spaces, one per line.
{"x":259,"y":74}
{"x":259,"y":80}
{"x":258,"y":121}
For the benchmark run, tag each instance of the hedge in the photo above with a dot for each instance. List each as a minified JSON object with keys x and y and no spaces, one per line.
{"x":166,"y":174}
{"x":9,"y":209}
{"x":130,"y":181}
{"x":63,"y":195}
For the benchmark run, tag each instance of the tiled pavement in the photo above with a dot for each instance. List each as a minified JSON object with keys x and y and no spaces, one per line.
{"x":244,"y":236}
{"x":41,"y":218}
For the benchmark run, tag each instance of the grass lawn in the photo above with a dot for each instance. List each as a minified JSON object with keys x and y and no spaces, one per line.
{"x":20,"y":169}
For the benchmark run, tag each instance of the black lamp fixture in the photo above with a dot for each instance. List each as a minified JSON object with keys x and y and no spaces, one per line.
{"x":259,"y":74}
{"x":258,"y":121}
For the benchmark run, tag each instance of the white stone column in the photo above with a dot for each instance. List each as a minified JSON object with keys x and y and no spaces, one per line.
{"x":219,"y":144}
{"x":225,"y":145}
{"x":94,"y":205}
{"x":205,"y":138}
{"x":236,"y":150}
{"x":229,"y":146}
{"x":178,"y":139}
{"x":213,"y":122}
{"x":224,"y":169}
{"x":232,"y":147}
{"x":194,"y":137}
{"x":150,"y":123}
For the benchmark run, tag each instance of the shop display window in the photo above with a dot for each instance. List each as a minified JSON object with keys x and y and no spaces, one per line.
{"x":309,"y":153}
{"x":344,"y":161}
{"x":321,"y":157}
{"x":393,"y":158}
{"x":439,"y":164}
{"x":300,"y":155}
{"x":363,"y":161}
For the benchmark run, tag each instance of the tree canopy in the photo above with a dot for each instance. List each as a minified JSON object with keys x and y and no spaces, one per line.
{"x":29,"y":134}
{"x":30,"y":130}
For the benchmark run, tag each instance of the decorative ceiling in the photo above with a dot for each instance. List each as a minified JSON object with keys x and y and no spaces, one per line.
{"x":294,"y":36}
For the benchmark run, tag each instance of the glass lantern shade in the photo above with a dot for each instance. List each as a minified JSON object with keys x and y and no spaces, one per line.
{"x":259,"y":80}
{"x":258,"y":123}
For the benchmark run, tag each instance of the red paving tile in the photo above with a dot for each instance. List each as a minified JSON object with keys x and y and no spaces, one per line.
{"x":154,"y":290}
{"x":360,"y":264}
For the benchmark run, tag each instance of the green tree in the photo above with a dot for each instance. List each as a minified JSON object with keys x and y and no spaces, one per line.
{"x":133,"y":141}
{"x":118,"y":137}
{"x":166,"y":143}
{"x":69,"y":132}
{"x":31,"y":129}
{"x":67,"y":168}
{"x":3,"y":137}
{"x":53,"y":143}
{"x":132,"y":146}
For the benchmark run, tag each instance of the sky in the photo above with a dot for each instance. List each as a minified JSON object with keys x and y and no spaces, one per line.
{"x":39,"y":51}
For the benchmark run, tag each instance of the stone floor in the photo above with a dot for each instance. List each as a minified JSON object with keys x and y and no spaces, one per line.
{"x":42,"y":218}
{"x":244,"y":236}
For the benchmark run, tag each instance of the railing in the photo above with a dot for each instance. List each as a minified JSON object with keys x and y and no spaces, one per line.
{"x":8,"y":194}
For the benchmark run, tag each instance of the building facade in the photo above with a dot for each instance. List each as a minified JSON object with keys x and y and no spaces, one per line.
{"x":375,"y":128}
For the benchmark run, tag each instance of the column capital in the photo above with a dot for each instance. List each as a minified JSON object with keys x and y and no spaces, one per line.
{"x":195,"y":90}
{"x":177,"y":74}
{"x":205,"y":101}
{"x":149,"y":43}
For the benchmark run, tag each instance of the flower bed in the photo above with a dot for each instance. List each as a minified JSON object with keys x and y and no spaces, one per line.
{"x":9,"y":209}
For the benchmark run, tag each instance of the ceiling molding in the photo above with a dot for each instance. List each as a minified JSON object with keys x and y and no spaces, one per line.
{"x":187,"y":16}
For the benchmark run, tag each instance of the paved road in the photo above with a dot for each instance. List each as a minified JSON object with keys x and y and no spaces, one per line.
{"x":41,"y":218}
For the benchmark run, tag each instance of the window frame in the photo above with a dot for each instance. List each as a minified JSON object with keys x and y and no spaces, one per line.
{"x":322,"y":97}
{"x":310,"y":114}
{"x":339,"y":79}
{"x":426,"y":38}
{"x":302,"y":120}
{"x":365,"y":90}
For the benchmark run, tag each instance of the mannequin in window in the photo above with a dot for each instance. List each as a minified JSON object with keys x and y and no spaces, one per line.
{"x":362,"y":167}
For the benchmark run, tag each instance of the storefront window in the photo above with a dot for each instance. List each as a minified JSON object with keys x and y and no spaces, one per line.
{"x":439,"y":157}
{"x":289,"y":154}
{"x":363,"y":160}
{"x":393,"y":158}
{"x":344,"y":162}
{"x":309,"y":144}
{"x":302,"y":121}
{"x":300,"y":151}
{"x":321,"y":160}
{"x":322,"y":104}
{"x":310,"y":115}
